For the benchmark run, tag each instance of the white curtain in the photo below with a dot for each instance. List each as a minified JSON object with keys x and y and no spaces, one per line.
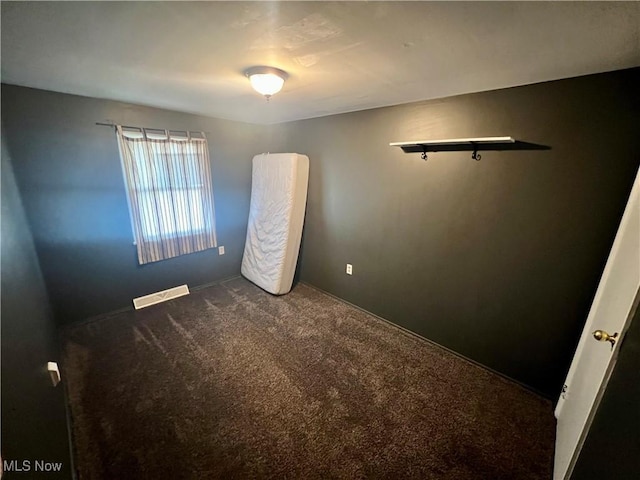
{"x":168,"y":179}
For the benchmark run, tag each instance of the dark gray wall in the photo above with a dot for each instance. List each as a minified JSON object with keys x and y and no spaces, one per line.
{"x":33,"y":413}
{"x":611,"y":450}
{"x":498,"y":259}
{"x":68,"y":172}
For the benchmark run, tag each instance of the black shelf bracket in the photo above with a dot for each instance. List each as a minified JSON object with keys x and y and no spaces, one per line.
{"x":475,"y":155}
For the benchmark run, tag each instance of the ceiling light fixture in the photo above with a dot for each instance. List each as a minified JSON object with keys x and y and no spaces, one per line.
{"x":266,"y":81}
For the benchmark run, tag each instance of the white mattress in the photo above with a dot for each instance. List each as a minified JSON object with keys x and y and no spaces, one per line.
{"x":278,"y":201}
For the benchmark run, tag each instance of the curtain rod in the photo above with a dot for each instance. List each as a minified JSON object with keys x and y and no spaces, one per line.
{"x":113,"y":125}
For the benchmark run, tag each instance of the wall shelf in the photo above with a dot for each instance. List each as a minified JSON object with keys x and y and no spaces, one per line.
{"x":474,"y":145}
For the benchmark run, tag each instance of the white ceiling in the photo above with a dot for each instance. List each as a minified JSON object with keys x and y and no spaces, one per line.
{"x":341,"y":56}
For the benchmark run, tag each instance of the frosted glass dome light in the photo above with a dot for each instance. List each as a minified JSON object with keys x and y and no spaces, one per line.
{"x":266,"y":81}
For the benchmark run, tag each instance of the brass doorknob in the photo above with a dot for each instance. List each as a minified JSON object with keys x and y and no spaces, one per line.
{"x":603,"y":336}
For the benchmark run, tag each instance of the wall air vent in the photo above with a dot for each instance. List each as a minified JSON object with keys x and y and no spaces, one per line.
{"x":159,"y":297}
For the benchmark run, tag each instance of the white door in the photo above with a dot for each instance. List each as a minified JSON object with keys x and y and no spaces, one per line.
{"x":594,"y":360}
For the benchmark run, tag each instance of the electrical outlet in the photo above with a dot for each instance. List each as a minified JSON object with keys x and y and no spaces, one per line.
{"x":349,"y":269}
{"x":220,"y":250}
{"x":52,"y":367}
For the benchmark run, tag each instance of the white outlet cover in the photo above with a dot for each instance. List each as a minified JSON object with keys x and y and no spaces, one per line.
{"x":349,"y":269}
{"x":221,"y":250}
{"x":54,"y":372}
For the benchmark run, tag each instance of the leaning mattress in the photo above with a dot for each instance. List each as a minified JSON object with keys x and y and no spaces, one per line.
{"x":276,"y":215}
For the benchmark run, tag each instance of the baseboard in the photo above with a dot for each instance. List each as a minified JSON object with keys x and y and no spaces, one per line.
{"x":104,"y":316}
{"x":217,"y":282}
{"x":402,"y":329}
{"x":413,"y":334}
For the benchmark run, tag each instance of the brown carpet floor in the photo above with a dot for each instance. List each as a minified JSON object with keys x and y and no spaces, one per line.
{"x":232,"y":382}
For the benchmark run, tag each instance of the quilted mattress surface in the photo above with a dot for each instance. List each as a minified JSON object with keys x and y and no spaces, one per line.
{"x":276,"y":215}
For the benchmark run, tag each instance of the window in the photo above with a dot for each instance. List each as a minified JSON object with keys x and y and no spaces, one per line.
{"x":168,"y":178}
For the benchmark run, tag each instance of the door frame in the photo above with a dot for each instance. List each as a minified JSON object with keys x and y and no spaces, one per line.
{"x":603,"y":386}
{"x":585,"y":336}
